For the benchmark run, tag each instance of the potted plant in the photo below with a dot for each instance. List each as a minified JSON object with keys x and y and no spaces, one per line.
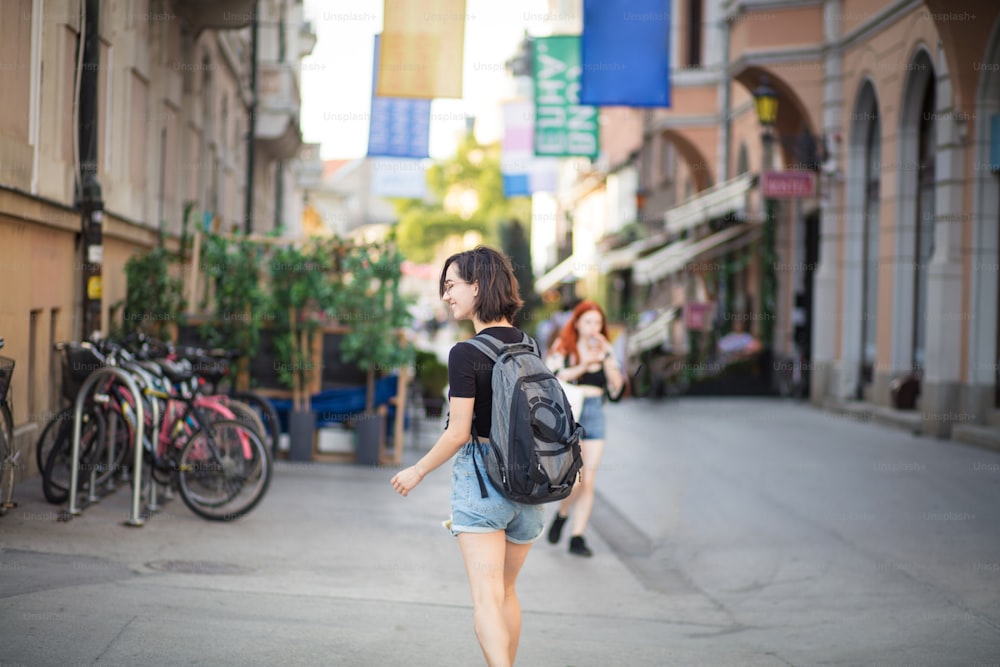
{"x":369,"y":302}
{"x":432,"y":376}
{"x":301,"y":290}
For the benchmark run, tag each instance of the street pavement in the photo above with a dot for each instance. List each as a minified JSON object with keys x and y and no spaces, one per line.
{"x":726,"y":532}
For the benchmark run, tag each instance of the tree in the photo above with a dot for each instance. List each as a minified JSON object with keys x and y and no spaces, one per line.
{"x":302,"y":289}
{"x":468,"y":196}
{"x":514,"y":243}
{"x":370,"y":303}
{"x":233,"y":268}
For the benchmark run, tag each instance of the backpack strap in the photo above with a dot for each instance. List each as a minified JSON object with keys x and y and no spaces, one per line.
{"x":491,"y":347}
{"x":488,"y":345}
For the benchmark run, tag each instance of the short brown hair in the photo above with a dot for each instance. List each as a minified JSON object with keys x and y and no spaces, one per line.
{"x":499,"y":296}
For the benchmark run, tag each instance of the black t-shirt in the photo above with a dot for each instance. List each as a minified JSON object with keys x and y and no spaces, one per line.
{"x":470,"y":375}
{"x":596,"y":378}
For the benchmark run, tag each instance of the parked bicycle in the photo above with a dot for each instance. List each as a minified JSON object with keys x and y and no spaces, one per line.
{"x":207,"y":446}
{"x":214,"y":366}
{"x":9,"y":456}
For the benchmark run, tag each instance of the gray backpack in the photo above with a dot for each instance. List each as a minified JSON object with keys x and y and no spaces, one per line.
{"x":534,"y":452}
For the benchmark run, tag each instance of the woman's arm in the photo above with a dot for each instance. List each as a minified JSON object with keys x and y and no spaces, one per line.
{"x":556,"y":361}
{"x":616,"y":379}
{"x":458,"y":433}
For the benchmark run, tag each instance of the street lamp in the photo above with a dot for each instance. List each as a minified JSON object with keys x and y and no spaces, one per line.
{"x":766,"y":104}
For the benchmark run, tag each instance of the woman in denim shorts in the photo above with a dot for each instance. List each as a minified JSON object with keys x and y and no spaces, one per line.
{"x":494,"y":533}
{"x":583,"y":356}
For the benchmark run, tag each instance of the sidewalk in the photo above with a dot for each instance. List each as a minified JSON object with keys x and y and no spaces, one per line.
{"x":333,"y":568}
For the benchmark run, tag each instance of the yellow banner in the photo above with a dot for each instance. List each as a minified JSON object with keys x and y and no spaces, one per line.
{"x":422,"y":46}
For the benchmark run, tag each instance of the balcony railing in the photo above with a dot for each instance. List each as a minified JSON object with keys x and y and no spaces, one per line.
{"x":278,"y":131}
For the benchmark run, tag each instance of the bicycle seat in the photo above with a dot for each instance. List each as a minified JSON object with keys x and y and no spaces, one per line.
{"x":152,"y":366}
{"x":176,"y":372}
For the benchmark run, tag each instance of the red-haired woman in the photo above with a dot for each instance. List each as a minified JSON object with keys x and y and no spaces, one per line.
{"x":582,"y":355}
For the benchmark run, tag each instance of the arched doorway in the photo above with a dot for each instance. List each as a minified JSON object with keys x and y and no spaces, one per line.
{"x":862,"y":229}
{"x":917,"y":179}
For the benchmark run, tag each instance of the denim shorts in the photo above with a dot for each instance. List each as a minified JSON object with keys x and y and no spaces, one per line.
{"x":592,"y":418}
{"x":471,"y":513}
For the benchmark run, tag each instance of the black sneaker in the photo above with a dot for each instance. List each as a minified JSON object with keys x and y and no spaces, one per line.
{"x":578,"y":547}
{"x":555,"y":532}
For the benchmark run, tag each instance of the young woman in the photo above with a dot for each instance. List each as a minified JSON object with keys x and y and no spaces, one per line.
{"x":494,"y":533}
{"x":583,"y":356}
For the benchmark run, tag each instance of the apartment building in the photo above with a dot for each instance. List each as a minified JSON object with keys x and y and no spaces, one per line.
{"x":157,"y":112}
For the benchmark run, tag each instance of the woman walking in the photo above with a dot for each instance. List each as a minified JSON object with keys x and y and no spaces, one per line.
{"x":494,"y":533}
{"x":582,"y":355}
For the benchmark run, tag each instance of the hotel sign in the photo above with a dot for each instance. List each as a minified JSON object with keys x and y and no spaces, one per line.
{"x":788,"y":184}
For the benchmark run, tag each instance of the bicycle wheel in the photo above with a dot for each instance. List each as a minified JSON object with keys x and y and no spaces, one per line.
{"x":6,"y":433}
{"x":223,"y":471}
{"x":268,"y":415}
{"x":58,"y":467}
{"x":50,"y":436}
{"x":246,"y":415}
{"x":7,"y":471}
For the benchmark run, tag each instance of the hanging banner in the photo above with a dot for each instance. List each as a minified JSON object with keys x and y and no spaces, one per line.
{"x":393,"y":177}
{"x":398,"y":127}
{"x":523,"y":173}
{"x":563,"y":127}
{"x":625,"y":53}
{"x":515,"y":150}
{"x":422,"y":48}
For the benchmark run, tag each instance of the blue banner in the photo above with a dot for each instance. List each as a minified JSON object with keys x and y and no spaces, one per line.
{"x":400,"y":127}
{"x":625,"y":53}
{"x":516,"y":185}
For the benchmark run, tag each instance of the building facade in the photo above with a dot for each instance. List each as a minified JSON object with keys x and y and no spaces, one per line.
{"x":887,"y":271}
{"x":170,"y":86}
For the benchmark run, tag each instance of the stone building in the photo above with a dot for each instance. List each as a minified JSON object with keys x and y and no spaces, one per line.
{"x":157,"y":111}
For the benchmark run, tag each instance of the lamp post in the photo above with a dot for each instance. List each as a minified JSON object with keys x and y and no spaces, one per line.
{"x":766,"y":103}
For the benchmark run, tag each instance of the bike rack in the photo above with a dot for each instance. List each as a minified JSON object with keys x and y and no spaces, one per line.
{"x":88,"y":384}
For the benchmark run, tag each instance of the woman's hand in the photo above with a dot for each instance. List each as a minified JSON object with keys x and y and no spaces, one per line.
{"x":594,"y":351}
{"x":405,"y":480}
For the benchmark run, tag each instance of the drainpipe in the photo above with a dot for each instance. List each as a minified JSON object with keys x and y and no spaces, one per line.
{"x":724,"y":104}
{"x":89,"y":197}
{"x":252,"y":125}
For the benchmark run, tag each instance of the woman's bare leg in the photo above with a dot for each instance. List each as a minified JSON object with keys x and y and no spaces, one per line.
{"x":496,"y":618}
{"x":583,"y":493}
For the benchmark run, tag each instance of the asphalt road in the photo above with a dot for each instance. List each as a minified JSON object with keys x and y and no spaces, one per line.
{"x":727,"y":532}
{"x":822,"y":539}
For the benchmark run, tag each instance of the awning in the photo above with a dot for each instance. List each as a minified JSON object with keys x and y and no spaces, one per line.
{"x":653,"y":334}
{"x":715,"y":202}
{"x":675,"y":257}
{"x":569,"y":269}
{"x":646,"y":270}
{"x":625,"y":256}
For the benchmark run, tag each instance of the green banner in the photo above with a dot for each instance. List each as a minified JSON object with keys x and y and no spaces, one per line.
{"x":563,"y":127}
